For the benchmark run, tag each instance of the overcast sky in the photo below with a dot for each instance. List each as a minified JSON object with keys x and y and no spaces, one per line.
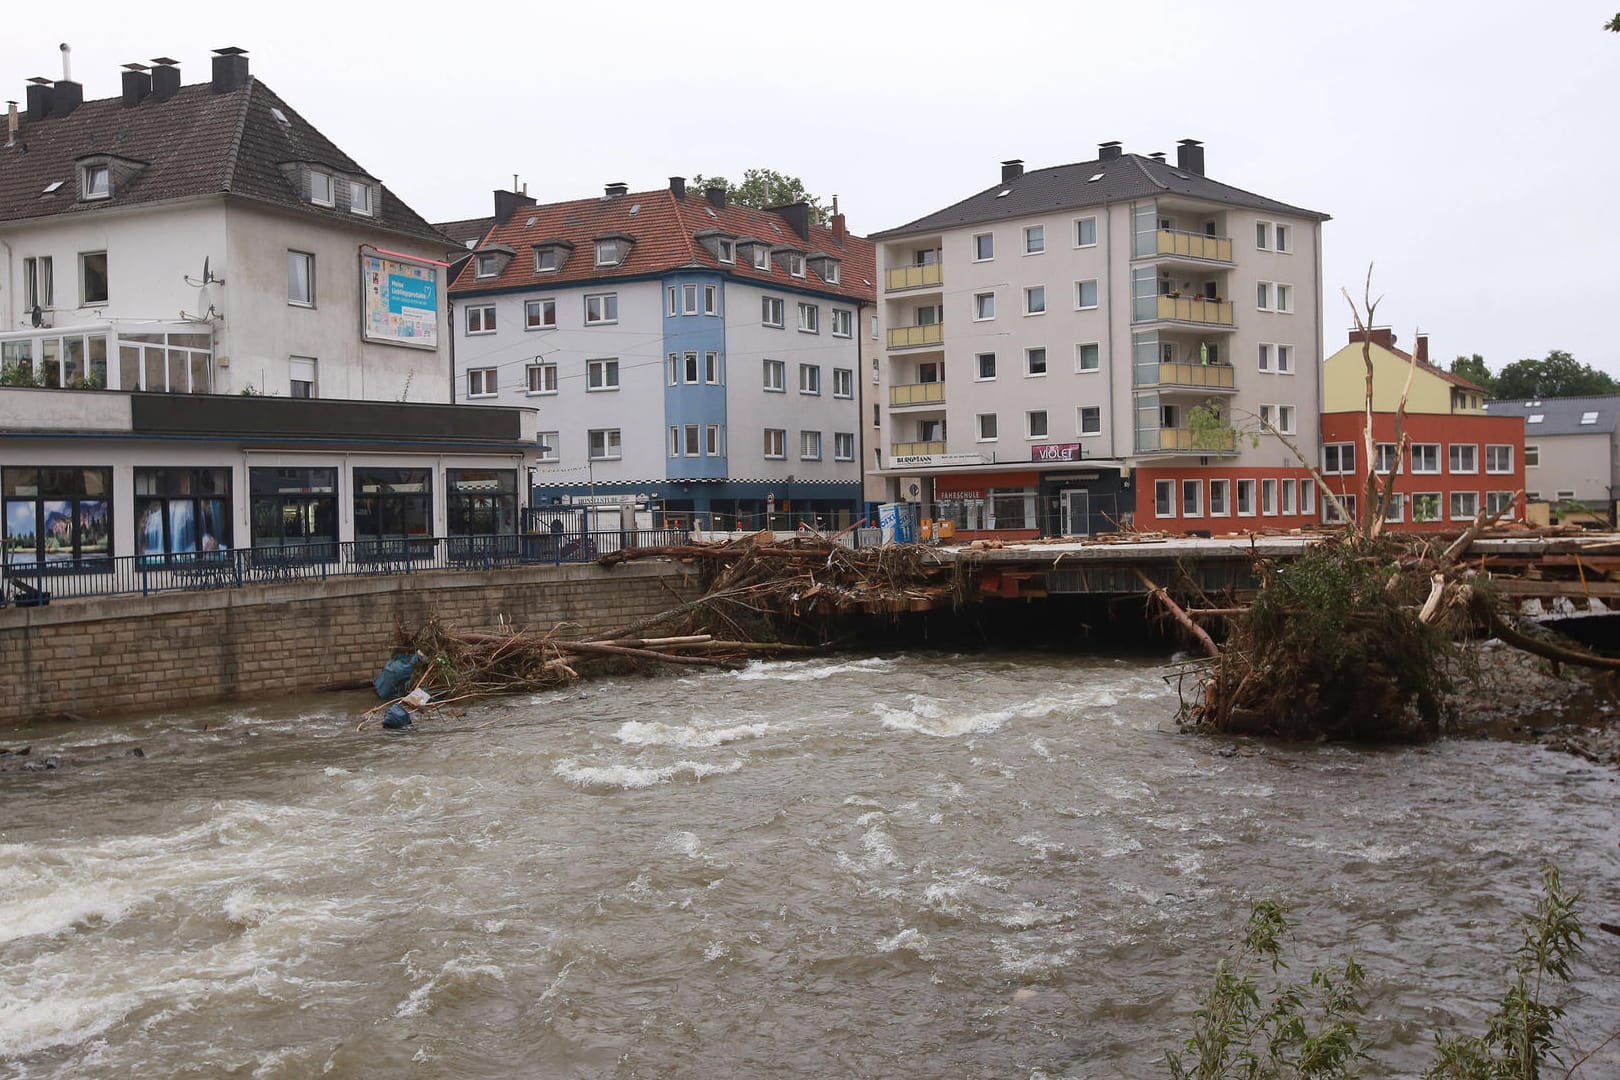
{"x":1469,"y":149}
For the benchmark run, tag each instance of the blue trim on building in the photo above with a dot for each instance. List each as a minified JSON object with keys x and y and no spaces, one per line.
{"x":699,"y":403}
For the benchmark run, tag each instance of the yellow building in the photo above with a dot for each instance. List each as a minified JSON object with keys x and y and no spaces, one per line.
{"x":1434,"y":390}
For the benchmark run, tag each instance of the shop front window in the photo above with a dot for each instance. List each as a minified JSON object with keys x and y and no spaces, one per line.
{"x":293,"y":508}
{"x":1012,"y":508}
{"x":182,"y":511}
{"x":57,"y":515}
{"x":393,"y":503}
{"x":481,"y":502}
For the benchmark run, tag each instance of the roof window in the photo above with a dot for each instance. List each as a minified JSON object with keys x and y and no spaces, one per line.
{"x":1588,"y":417}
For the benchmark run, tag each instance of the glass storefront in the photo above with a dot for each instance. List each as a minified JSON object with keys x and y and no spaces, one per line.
{"x":293,"y":507}
{"x":182,"y":511}
{"x":57,"y":515}
{"x":481,"y":502}
{"x":393,"y":503}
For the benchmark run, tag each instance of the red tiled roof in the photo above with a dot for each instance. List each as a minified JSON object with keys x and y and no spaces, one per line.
{"x":665,"y":230}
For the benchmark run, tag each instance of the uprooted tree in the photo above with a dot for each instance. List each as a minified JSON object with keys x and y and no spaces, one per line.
{"x":1359,"y":638}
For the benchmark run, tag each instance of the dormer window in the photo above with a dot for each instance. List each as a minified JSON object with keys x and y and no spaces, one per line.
{"x":612,"y":249}
{"x":825,"y":266}
{"x":488,"y":265}
{"x":726,"y":251}
{"x":320,"y":188}
{"x":97,"y":182}
{"x":762,"y":257}
{"x":359,"y":198}
{"x":550,"y":256}
{"x":794,"y":263}
{"x":490,"y":261}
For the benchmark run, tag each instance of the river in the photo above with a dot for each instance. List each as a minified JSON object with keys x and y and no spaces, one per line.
{"x":898,"y":866}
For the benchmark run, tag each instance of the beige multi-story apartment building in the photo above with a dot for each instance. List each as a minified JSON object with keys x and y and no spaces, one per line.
{"x":1083,"y":345}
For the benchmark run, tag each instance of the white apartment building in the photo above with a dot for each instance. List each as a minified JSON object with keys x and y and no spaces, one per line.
{"x":1082,"y":345}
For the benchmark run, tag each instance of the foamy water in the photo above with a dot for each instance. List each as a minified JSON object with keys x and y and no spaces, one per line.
{"x":892,"y":866}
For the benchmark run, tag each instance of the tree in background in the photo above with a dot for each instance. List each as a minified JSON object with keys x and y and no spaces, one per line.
{"x":1559,"y":375}
{"x":1474,"y":370}
{"x":761,"y":188}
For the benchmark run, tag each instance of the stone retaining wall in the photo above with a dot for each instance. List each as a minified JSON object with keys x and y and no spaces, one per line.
{"x":110,"y":655}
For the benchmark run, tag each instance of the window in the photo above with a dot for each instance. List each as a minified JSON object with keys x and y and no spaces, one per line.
{"x":689,"y":368}
{"x":1089,"y":420}
{"x":1386,"y":457}
{"x":359,"y":198}
{"x":1245,"y":498}
{"x":607,"y":253}
{"x":762,"y":257}
{"x":301,"y":278}
{"x":809,"y":379}
{"x":1268,"y":497}
{"x":984,"y":306}
{"x":486,"y":265}
{"x":1338,"y":458}
{"x":1085,"y":232}
{"x":1265,"y":357}
{"x":877,"y":415}
{"x":987,"y":365}
{"x":1280,"y":417}
{"x":674,"y":307}
{"x":725,"y":251}
{"x":39,"y":288}
{"x":1192,"y":498}
{"x":711,"y":368}
{"x":481,"y":382}
{"x":603,"y":444}
{"x":301,"y":376}
{"x":1330,"y":510}
{"x":1035,"y":361}
{"x":714,"y":440}
{"x":1035,"y":300}
{"x":1532,"y":456}
{"x":540,"y":314}
{"x":1589,"y":418}
{"x":843,"y":323}
{"x":1464,"y":505}
{"x":775,"y":376}
{"x":1282,"y":237}
{"x":674,"y":372}
{"x":809,"y":446}
{"x":1262,"y":295}
{"x":689,"y":299}
{"x":542,"y":378}
{"x":320,"y":189}
{"x":1035,"y":423}
{"x":1288,"y":489}
{"x":775,"y":443}
{"x":1285,"y":298}
{"x":987,"y":427}
{"x":179,"y":511}
{"x":1285,"y":359}
{"x":810,"y":318}
{"x":874,"y":328}
{"x":481,"y":319}
{"x":1164,"y":493}
{"x":393,"y":503}
{"x":1463,"y":457}
{"x":1426,"y":506}
{"x":772,"y":311}
{"x":93,"y":277}
{"x":795,"y":263}
{"x":984,"y":247}
{"x":97,"y":182}
{"x":1307,"y":496}
{"x":1262,"y":235}
{"x":844,"y":446}
{"x":1034,"y":239}
{"x":1499,"y":503}
{"x":601,"y":375}
{"x":549,"y":443}
{"x":1085,"y":294}
{"x":601,"y":308}
{"x":843,"y":382}
{"x":1219,"y":493}
{"x":545,"y":260}
{"x":1087,"y":356}
{"x":692,"y":438}
{"x":481,"y":502}
{"x":1498,"y":458}
{"x":711,"y":300}
{"x":1425,"y":457}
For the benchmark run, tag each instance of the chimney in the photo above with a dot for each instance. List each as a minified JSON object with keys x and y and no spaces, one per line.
{"x":1011,"y":170}
{"x":1158,"y":155}
{"x":615,"y":188}
{"x":1190,"y":156}
{"x":38,"y":98}
{"x":840,"y":229}
{"x":12,"y":120}
{"x":1108,"y":151}
{"x":230,"y":69}
{"x":1379,"y":335}
{"x":716,"y":196}
{"x":1422,"y":351}
{"x":508,"y":203}
{"x":797,"y":215}
{"x":137,"y":84}
{"x":165,"y":78}
{"x":66,"y":95}
{"x":677,"y":186}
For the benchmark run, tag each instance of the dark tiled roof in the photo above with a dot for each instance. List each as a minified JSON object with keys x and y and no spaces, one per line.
{"x":665,"y":231}
{"x":197,"y":142}
{"x":467,"y":231}
{"x":1071,"y":187}
{"x":1561,"y":416}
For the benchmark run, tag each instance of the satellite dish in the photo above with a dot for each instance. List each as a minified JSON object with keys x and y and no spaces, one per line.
{"x":207,"y":277}
{"x":38,"y":315}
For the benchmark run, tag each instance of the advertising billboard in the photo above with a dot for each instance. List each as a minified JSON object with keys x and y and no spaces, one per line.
{"x":400,"y":301}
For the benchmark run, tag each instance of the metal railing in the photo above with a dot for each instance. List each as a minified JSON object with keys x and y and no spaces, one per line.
{"x":927,"y":393}
{"x":1196,"y":309}
{"x":1194,"y":245}
{"x":143,"y":575}
{"x":911,"y":277}
{"x":1202,"y":376}
{"x":910,"y":337}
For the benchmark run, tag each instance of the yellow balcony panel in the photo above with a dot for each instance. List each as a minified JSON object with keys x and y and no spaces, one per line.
{"x":1192,"y":245}
{"x":1197,"y":376}
{"x":911,"y":337}
{"x":927,"y":393}
{"x":916,"y":449}
{"x":1195,"y":309}
{"x":912,"y":277}
{"x":1187,"y":441}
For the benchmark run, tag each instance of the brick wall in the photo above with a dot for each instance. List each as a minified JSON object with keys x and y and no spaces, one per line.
{"x":105,"y":656}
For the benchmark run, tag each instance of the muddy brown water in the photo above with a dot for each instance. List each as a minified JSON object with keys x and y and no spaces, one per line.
{"x":894,"y":866}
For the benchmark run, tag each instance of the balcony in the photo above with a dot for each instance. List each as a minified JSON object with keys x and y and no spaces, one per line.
{"x":1185,"y":441}
{"x":1194,"y":309}
{"x":912,"y":277}
{"x":911,"y":395}
{"x":1175,"y":243}
{"x":911,"y":337}
{"x":1191,"y":376}
{"x":916,"y":449}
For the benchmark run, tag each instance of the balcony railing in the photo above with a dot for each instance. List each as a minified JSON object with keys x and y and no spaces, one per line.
{"x":1185,"y":441}
{"x":909,"y":337}
{"x":1193,"y":245}
{"x":1195,"y":309}
{"x":927,"y":393}
{"x":912,"y":277}
{"x":1200,"y":376}
{"x":914,"y":449}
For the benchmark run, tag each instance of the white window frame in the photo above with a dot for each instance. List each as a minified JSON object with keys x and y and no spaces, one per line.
{"x":1431,"y":455}
{"x":604,"y":301}
{"x":711,"y":300}
{"x":1285,"y":359}
{"x":1034,"y":294}
{"x":1532,"y":455}
{"x":692,"y":439}
{"x":308,"y":259}
{"x":1281,"y":233}
{"x":1079,"y":229}
{"x":843,"y":382}
{"x":726,"y":251}
{"x":1431,"y":499}
{"x":843,"y":323}
{"x":843,"y":446}
{"x":1264,"y":357}
{"x":485,"y":320}
{"x":1243,"y":491}
{"x":84,"y":298}
{"x":714,"y":440}
{"x":493,"y":262}
{"x":1262,"y":236}
{"x":1029,"y":425}
{"x":612,"y":444}
{"x":89,"y":188}
{"x":761,"y":258}
{"x":978,"y":420}
{"x":548,"y":446}
{"x":809,"y":318}
{"x":1307,"y":496}
{"x":795,"y":264}
{"x":534,"y":312}
{"x":602,"y":375}
{"x":978,"y":367}
{"x":483,"y":382}
{"x":551,"y":254}
{"x":1080,"y":412}
{"x":810,"y":379}
{"x":711,"y":369}
{"x":547,"y":373}
{"x":1220,"y":498}
{"x":1502,"y":450}
{"x":1034,"y":239}
{"x":1080,"y":365}
{"x":982,"y":302}
{"x":809,"y":446}
{"x":773,"y":312}
{"x":1333,"y":459}
{"x":303,"y":365}
{"x":779,"y":384}
{"x":1029,"y":362}
{"x":689,"y":298}
{"x":1193,"y":507}
{"x":1283,"y":298}
{"x":1286,"y":491}
{"x":1459,"y":497}
{"x":1164,"y":498}
{"x":1499,"y":503}
{"x":991,"y":238}
{"x":609,"y":248}
{"x":1268,"y":496}
{"x":691,"y":369}
{"x":1080,"y":294}
{"x":360,"y":198}
{"x":317,"y":181}
{"x":1263,"y":293}
{"x":1462,"y":459}
{"x":779,"y":442}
